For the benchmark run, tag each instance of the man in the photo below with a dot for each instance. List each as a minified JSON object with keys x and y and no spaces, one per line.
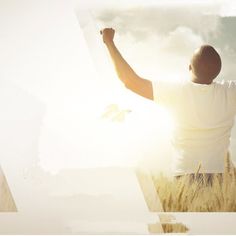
{"x":204,"y":109}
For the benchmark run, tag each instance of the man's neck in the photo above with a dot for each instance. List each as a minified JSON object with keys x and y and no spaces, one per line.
{"x":200,"y":81}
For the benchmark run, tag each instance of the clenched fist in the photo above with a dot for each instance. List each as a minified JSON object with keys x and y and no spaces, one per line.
{"x":107,"y":35}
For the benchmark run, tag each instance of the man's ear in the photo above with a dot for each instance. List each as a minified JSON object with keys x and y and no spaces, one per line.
{"x":190,"y":67}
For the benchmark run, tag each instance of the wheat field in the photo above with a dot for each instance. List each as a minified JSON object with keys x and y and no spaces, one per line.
{"x":181,"y":196}
{"x":7,"y":203}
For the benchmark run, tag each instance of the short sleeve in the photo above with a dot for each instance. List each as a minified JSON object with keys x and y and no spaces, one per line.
{"x":166,"y":92}
{"x":231,"y":86}
{"x":231,"y":89}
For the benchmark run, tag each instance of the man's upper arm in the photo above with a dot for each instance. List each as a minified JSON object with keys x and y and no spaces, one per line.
{"x":141,"y":86}
{"x":166,"y":92}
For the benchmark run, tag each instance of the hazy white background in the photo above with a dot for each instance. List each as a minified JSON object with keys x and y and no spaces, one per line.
{"x":52,"y":98}
{"x":46,"y":58}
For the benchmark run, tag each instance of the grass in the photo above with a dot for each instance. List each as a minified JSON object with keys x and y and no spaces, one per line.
{"x":183,"y":196}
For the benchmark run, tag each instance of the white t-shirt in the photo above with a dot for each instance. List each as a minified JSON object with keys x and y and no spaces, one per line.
{"x":204,"y":115}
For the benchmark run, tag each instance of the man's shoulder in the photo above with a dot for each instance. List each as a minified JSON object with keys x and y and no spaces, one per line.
{"x":226,"y":83}
{"x":176,"y":82}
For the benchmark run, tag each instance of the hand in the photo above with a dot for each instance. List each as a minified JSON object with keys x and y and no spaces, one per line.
{"x":107,"y":35}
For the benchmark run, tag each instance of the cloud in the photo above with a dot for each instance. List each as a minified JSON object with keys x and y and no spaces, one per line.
{"x":182,"y":39}
{"x":228,"y":8}
{"x":166,"y":34}
{"x":143,"y":21}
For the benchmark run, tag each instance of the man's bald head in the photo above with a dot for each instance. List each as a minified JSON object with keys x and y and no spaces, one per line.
{"x":205,"y":64}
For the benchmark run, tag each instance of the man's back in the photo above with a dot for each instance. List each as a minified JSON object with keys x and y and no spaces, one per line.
{"x":204,"y":117}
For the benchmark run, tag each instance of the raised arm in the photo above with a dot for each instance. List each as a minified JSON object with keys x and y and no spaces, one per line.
{"x":125,"y":73}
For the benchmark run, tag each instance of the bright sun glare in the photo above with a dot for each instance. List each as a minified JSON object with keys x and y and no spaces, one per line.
{"x":128,"y":120}
{"x":131,"y":129}
{"x":113,"y":127}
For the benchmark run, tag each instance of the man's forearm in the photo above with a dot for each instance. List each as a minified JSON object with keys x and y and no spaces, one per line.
{"x":125,"y":73}
{"x":123,"y":69}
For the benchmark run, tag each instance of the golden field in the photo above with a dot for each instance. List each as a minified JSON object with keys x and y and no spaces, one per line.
{"x":182,"y":196}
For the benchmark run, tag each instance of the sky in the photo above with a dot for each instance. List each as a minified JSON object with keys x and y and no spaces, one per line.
{"x":166,"y":35}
